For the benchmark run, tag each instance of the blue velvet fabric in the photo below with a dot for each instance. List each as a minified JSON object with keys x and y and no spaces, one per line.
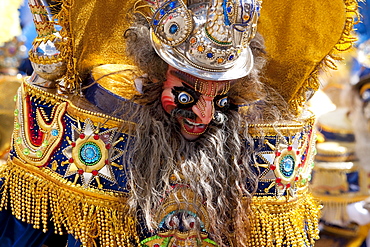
{"x":15,"y":233}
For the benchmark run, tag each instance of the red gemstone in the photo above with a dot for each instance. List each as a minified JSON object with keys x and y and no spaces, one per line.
{"x":191,"y":224}
{"x":277,"y":153}
{"x":290,"y":148}
{"x":288,"y":186}
{"x":82,"y":136}
{"x":71,"y":160}
{"x":73,"y":144}
{"x":106,"y":162}
{"x":278,"y":180}
{"x":95,"y":172}
{"x":296,"y":178}
{"x":80,"y":171}
{"x":108,"y":146}
{"x":96,"y":137}
{"x":272,"y":167}
{"x":297,"y":152}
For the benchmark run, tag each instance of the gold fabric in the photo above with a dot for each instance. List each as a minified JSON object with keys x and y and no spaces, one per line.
{"x":298,"y":36}
{"x":8,"y":88}
{"x":301,"y":37}
{"x":117,"y":78}
{"x":97,"y":30}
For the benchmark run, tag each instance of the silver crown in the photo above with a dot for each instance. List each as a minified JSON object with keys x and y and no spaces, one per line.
{"x":207,"y":39}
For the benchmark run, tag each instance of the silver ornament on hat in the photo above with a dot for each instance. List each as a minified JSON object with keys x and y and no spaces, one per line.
{"x":208,"y":39}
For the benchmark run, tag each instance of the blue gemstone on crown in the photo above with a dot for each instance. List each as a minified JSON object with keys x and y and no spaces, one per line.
{"x":210,"y":55}
{"x":173,"y":29}
{"x":173,"y":4}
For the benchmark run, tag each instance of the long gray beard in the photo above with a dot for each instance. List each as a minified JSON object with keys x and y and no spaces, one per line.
{"x":215,"y":167}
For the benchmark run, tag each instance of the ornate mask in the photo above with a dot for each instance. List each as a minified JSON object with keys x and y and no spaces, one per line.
{"x":193,"y":101}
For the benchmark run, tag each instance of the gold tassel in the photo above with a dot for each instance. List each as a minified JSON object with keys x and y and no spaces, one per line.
{"x":38,"y":195}
{"x":276,"y":223}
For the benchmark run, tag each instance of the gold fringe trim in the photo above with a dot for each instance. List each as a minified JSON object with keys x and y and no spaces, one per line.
{"x":37,"y":196}
{"x":292,"y":223}
{"x":345,"y":43}
{"x":286,"y":128}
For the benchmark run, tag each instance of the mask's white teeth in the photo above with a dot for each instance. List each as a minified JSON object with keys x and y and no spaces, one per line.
{"x":192,"y":123}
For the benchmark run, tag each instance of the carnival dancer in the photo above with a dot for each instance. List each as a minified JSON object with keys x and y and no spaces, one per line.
{"x":161,"y":130}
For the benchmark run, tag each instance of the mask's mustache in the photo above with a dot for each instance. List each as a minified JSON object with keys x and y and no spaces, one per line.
{"x":177,"y":112}
{"x":218,"y":118}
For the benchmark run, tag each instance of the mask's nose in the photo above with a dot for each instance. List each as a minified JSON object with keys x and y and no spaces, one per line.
{"x":204,"y":109}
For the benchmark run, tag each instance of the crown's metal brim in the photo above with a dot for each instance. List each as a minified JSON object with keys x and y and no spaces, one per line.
{"x":241,"y":68}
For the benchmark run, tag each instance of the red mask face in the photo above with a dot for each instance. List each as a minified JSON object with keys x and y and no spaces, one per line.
{"x":194,"y":101}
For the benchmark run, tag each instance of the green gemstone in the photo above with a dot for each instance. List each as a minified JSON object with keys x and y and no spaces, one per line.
{"x":26,"y":151}
{"x":15,"y":98}
{"x":45,"y":143}
{"x":38,"y":153}
{"x":16,"y":126}
{"x":16,"y":112}
{"x":309,"y":178}
{"x":18,"y":140}
{"x":304,"y":181}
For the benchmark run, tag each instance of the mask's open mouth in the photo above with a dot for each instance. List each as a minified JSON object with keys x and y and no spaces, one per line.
{"x":192,"y":128}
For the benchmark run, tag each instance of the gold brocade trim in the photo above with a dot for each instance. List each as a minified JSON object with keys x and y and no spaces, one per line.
{"x":286,"y":128}
{"x":344,"y":43}
{"x":292,"y":223}
{"x":37,"y":196}
{"x":73,"y":110}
